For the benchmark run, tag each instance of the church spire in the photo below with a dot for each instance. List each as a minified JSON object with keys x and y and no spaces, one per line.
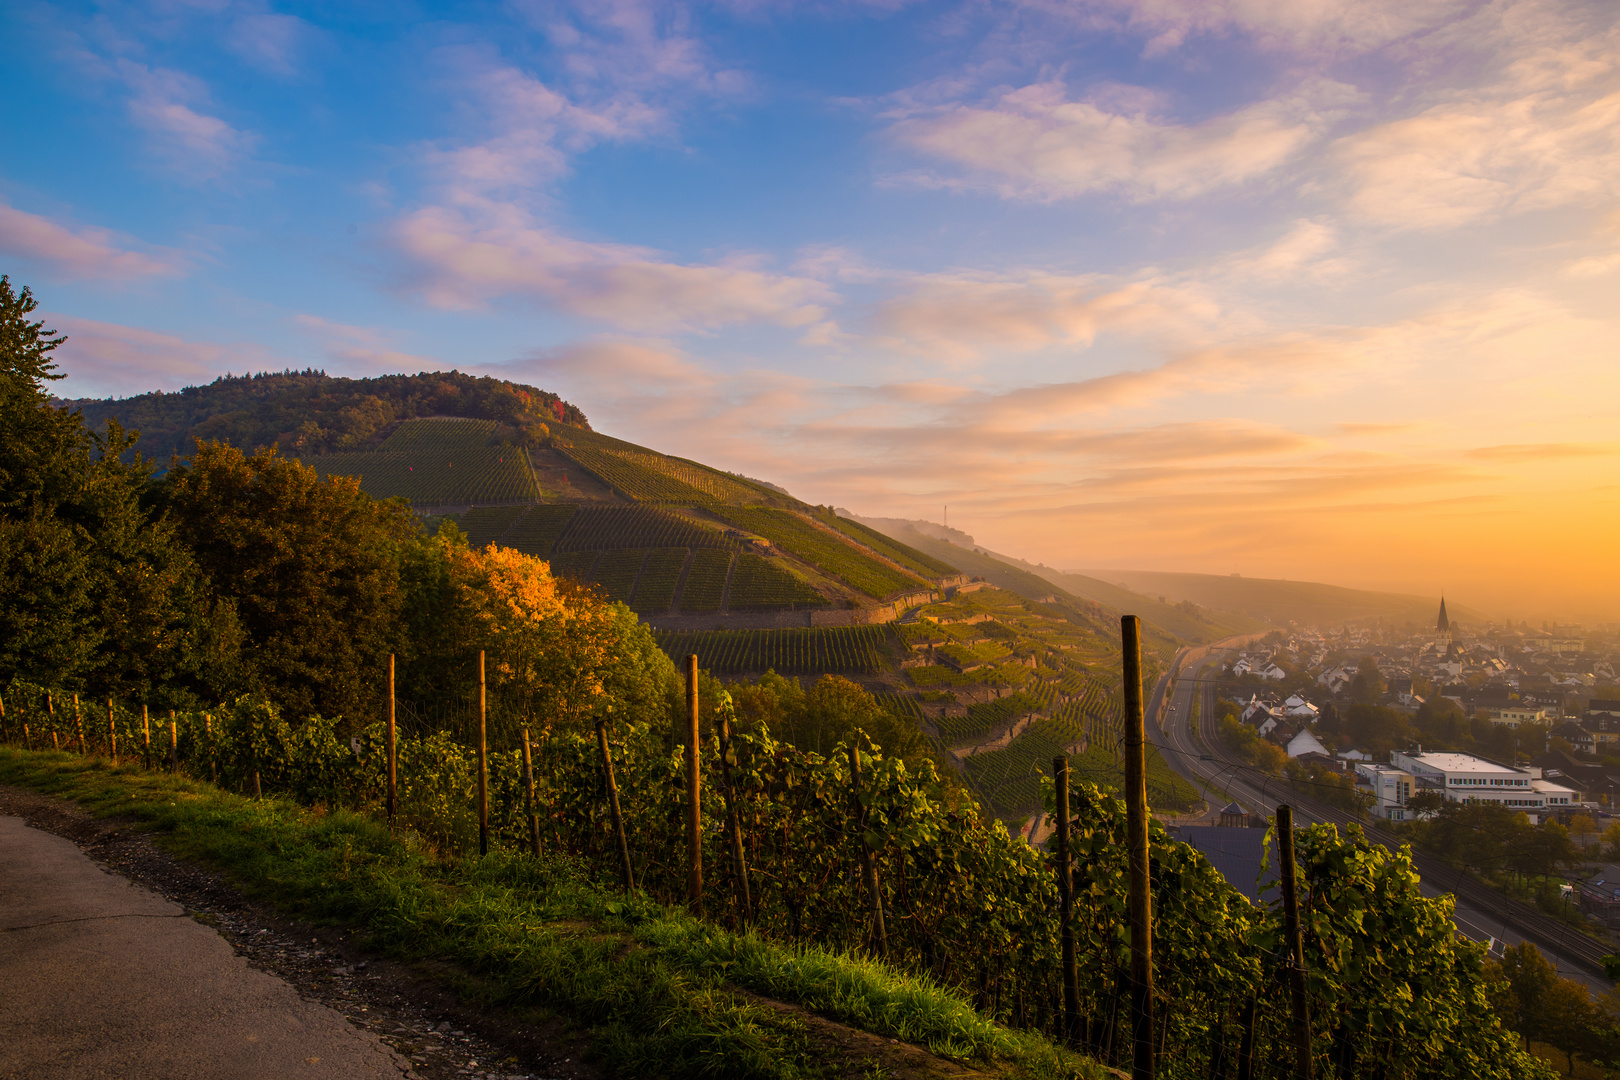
{"x":1443,"y":624}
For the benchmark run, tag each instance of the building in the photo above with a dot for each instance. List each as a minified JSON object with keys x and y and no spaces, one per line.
{"x":1240,"y":856}
{"x":1603,"y":706}
{"x":1555,"y":797}
{"x":1514,"y":715}
{"x":1603,"y":729}
{"x":1600,"y":895}
{"x":1577,"y":736}
{"x":1389,"y":786}
{"x":1467,"y":778}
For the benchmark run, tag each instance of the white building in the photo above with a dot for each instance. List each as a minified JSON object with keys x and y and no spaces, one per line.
{"x":1554,"y":795}
{"x":1297,"y":708}
{"x":1466,"y":778}
{"x":1391,"y":787}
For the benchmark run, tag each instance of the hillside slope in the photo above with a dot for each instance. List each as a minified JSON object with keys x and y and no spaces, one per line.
{"x":1167,"y":626}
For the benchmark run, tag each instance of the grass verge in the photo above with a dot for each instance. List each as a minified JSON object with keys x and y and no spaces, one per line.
{"x":659,"y":990}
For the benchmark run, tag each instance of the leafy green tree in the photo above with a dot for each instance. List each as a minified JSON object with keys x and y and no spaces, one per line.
{"x":312,"y":567}
{"x":100,"y":597}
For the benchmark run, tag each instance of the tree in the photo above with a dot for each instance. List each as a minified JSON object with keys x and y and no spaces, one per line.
{"x":560,"y":654}
{"x":1376,"y":728}
{"x":1542,"y":1006}
{"x":311,"y":566}
{"x":1368,"y":686}
{"x":100,"y":596}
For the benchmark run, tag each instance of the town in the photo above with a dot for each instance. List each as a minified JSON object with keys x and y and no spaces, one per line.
{"x":1513,"y":726}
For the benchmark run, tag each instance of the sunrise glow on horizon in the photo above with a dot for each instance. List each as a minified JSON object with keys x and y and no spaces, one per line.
{"x":1323,"y":291}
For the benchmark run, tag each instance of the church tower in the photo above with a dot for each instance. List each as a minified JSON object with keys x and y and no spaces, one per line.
{"x":1442,"y":631}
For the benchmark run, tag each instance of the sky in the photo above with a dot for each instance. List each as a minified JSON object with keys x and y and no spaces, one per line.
{"x":1315,"y":289}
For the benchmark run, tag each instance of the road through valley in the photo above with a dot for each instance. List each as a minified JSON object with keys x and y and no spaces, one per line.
{"x":1481,"y":914}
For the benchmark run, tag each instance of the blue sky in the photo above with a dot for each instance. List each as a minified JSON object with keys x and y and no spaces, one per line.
{"x":1313,"y":289}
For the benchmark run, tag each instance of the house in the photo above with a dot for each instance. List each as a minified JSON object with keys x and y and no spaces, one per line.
{"x":1270,"y":671}
{"x":1574,"y":734}
{"x":1297,"y":708}
{"x":1514,"y":715}
{"x":1599,"y":895}
{"x":1233,"y":816}
{"x":1468,"y":778}
{"x":1389,"y":786}
{"x":1604,"y":728}
{"x":1606,"y":706}
{"x":1304,"y":742}
{"x":1593,"y":783}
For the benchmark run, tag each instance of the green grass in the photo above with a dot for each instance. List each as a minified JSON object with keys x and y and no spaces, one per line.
{"x":660,"y":992}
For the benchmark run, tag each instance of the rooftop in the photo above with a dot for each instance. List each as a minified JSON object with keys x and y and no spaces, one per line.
{"x":1464,"y":763}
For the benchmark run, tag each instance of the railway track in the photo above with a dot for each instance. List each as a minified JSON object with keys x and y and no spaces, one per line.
{"x":1193,"y":756}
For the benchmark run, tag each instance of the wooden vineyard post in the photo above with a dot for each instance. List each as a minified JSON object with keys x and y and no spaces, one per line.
{"x":146,"y":737}
{"x":213,"y":759}
{"x":694,"y":794}
{"x":1065,"y":876}
{"x":392,"y":747}
{"x":874,"y":891}
{"x":1296,"y":950}
{"x":112,"y":734}
{"x":253,"y":731}
{"x":745,"y":903}
{"x":55,"y":743}
{"x":28,"y":740}
{"x":78,"y":724}
{"x":613,"y":805}
{"x":1245,"y":1069}
{"x":174,"y":745}
{"x":483,"y":761}
{"x":1136,"y":842}
{"x":50,"y":710}
{"x":528,"y":795}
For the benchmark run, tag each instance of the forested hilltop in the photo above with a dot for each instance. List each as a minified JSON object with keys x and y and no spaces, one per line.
{"x":310,"y":412}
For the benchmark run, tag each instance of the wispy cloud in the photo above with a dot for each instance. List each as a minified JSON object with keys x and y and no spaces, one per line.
{"x":1333,"y":26}
{"x":1034,"y":142}
{"x":82,"y":253}
{"x":175,"y":109}
{"x":466,"y":259}
{"x":1541,"y":131}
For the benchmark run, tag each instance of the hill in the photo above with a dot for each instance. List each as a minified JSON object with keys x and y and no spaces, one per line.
{"x":310,"y":412}
{"x":1277,"y":601}
{"x":999,"y":673}
{"x":1183,"y":623}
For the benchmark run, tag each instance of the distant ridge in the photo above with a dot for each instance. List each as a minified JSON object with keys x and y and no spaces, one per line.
{"x":311,"y":412}
{"x":1277,"y":601}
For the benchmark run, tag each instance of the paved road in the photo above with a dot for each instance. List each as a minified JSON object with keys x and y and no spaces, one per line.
{"x":102,"y":978}
{"x":1478,"y":915}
